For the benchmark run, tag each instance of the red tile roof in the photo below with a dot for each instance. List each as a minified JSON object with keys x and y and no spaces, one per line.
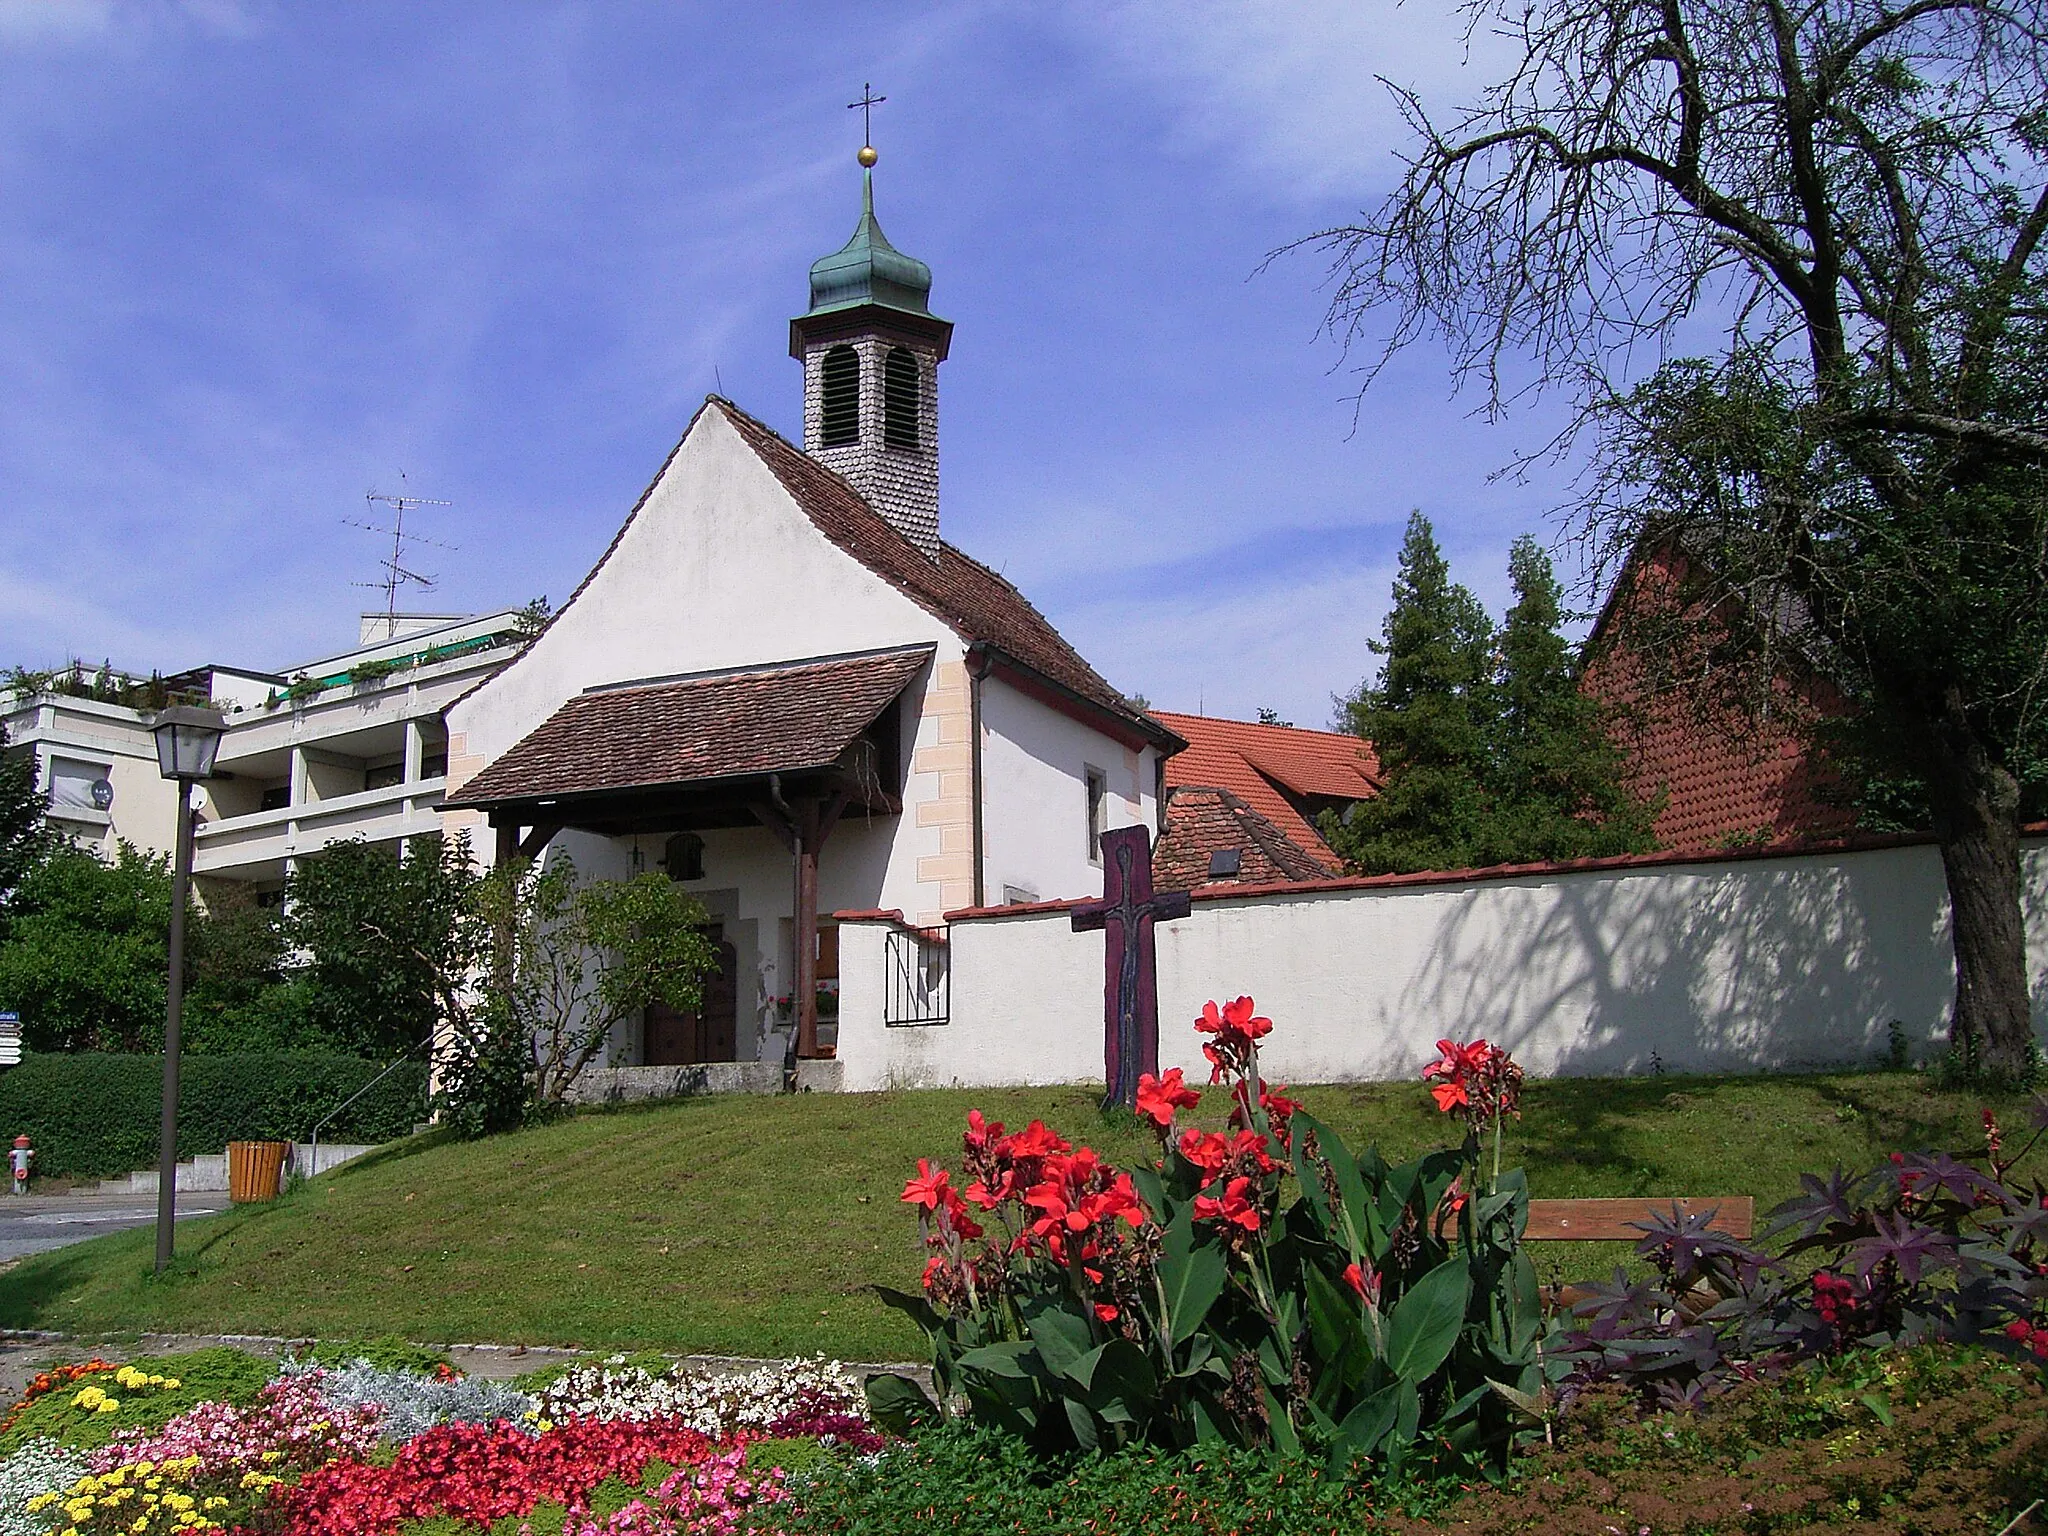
{"x":977,"y":603}
{"x":1270,"y":767}
{"x":780,"y":719}
{"x":1725,"y":783}
{"x":1201,"y":821}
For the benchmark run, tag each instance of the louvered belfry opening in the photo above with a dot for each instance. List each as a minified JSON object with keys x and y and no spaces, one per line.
{"x":900,"y":399}
{"x":840,"y":389}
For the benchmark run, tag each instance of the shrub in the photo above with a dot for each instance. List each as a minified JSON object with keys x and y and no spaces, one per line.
{"x":1379,"y":1309}
{"x":481,"y":1474}
{"x":390,"y":1353}
{"x":96,"y":1115}
{"x":84,"y":958}
{"x":409,"y":1405}
{"x":790,"y":1397}
{"x":1930,"y":1441}
{"x":1922,"y":1247}
{"x":972,"y":1480}
{"x":204,"y":1375}
{"x":39,"y":1467}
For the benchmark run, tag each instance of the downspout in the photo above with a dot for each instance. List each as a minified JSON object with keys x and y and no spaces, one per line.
{"x":977,"y":668}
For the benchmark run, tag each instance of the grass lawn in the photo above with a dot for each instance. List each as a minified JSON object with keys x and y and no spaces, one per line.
{"x":750,"y":1226}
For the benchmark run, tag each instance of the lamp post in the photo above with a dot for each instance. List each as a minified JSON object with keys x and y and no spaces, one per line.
{"x":187,"y":740}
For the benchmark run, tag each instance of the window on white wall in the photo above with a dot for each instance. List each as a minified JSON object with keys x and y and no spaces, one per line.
{"x":1098,"y":810}
{"x":80,"y":785}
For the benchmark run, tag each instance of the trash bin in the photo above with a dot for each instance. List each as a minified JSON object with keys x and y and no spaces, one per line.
{"x":255,"y":1169}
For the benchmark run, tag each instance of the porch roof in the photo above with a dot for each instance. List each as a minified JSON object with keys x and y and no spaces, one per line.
{"x":696,"y":731}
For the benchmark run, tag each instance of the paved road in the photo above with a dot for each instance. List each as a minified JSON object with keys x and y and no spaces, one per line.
{"x":35,"y":1223}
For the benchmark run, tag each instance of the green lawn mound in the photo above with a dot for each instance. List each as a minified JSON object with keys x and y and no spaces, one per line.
{"x":752,"y":1226}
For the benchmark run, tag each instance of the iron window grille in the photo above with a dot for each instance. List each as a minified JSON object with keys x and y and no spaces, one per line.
{"x":919,"y":981}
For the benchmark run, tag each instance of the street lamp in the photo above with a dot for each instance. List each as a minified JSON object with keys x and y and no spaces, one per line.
{"x":187,"y":740}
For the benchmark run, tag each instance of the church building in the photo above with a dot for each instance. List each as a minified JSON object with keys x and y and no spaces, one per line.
{"x":782,"y":687}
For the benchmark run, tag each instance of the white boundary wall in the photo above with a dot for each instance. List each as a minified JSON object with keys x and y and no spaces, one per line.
{"x":1733,"y":964}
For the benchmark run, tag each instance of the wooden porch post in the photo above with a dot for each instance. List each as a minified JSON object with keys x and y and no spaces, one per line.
{"x":807,"y":845}
{"x":501,"y":961}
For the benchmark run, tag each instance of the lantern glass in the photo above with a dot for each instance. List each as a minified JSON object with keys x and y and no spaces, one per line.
{"x":187,"y":741}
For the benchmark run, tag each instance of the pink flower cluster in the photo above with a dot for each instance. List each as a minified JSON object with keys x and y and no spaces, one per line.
{"x":482,"y":1474}
{"x":710,"y":1498}
{"x":291,"y":1427}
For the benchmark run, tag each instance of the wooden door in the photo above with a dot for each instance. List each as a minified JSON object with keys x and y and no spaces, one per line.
{"x":710,"y":1032}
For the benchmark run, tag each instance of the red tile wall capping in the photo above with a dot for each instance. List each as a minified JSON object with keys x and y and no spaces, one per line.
{"x":1202,"y":820}
{"x":1256,"y":762}
{"x":974,"y":600}
{"x":763,"y":720}
{"x":1722,"y":785}
{"x":1619,"y":863}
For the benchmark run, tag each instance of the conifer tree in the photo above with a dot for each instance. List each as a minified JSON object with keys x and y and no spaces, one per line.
{"x":1428,"y":718}
{"x":1559,"y":777}
{"x":1488,"y":752}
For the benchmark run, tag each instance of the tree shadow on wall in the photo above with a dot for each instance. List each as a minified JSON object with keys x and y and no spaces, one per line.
{"x":1730,"y":968}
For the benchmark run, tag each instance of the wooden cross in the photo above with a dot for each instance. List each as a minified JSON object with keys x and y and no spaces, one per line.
{"x":867,"y":103}
{"x":1130,"y":988}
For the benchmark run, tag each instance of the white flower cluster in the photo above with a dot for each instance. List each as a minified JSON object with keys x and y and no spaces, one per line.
{"x":40,"y":1466}
{"x":415,"y":1404}
{"x":712,"y":1405}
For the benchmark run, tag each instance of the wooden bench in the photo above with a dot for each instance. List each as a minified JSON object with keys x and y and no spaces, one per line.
{"x":1614,"y":1221}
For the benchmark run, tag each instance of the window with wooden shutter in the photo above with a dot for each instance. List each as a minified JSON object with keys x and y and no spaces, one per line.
{"x":901,"y":398}
{"x":841,"y":390}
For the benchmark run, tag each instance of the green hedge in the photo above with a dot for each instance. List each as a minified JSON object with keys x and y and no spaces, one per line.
{"x":96,"y":1115}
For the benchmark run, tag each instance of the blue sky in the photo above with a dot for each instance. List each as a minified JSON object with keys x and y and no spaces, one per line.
{"x":256,"y":259}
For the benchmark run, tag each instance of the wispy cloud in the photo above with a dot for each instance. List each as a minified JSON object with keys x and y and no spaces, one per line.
{"x":1289,"y":94}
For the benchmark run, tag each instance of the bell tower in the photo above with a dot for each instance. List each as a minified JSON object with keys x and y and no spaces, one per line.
{"x":871,"y":349}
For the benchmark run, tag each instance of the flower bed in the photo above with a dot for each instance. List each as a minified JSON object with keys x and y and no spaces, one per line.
{"x":356,"y":1448}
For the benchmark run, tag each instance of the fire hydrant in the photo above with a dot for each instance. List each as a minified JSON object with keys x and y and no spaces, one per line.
{"x":19,"y":1157}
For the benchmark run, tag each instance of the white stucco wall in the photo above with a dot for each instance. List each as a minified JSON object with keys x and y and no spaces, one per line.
{"x":1733,"y":965}
{"x":700,"y":580}
{"x":1035,"y":827}
{"x":720,"y":568}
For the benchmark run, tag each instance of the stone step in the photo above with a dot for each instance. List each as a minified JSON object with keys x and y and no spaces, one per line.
{"x":209,"y":1172}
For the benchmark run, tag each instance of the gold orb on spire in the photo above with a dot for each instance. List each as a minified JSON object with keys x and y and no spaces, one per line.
{"x":867,"y":156}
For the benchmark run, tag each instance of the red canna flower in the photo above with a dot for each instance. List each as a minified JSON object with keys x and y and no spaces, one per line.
{"x":958,"y":1217}
{"x":1159,"y":1097}
{"x":1034,"y":1141}
{"x":1232,"y":1207}
{"x":930,"y":1188}
{"x":981,"y":1134}
{"x":1205,"y":1149}
{"x":1364,"y":1280}
{"x":1104,"y":1312}
{"x":1234,"y":1021}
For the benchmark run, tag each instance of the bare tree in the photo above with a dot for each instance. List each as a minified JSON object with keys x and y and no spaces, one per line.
{"x":1843,"y":203}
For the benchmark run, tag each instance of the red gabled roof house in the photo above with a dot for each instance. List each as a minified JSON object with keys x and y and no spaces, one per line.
{"x":1724,"y":782}
{"x":1261,"y":788}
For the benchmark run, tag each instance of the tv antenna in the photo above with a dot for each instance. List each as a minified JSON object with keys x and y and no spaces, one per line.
{"x":397,"y":574}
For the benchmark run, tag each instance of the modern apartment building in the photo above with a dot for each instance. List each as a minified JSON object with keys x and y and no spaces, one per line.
{"x":350,"y":745}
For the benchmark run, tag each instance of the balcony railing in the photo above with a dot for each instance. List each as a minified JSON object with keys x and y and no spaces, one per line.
{"x":398,"y":810}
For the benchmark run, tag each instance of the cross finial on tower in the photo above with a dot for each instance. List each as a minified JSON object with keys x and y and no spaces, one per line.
{"x":867,"y":103}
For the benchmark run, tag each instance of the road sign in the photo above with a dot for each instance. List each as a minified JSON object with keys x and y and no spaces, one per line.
{"x":10,"y":1039}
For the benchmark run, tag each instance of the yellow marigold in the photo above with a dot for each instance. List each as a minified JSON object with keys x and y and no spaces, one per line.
{"x":88,"y":1397}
